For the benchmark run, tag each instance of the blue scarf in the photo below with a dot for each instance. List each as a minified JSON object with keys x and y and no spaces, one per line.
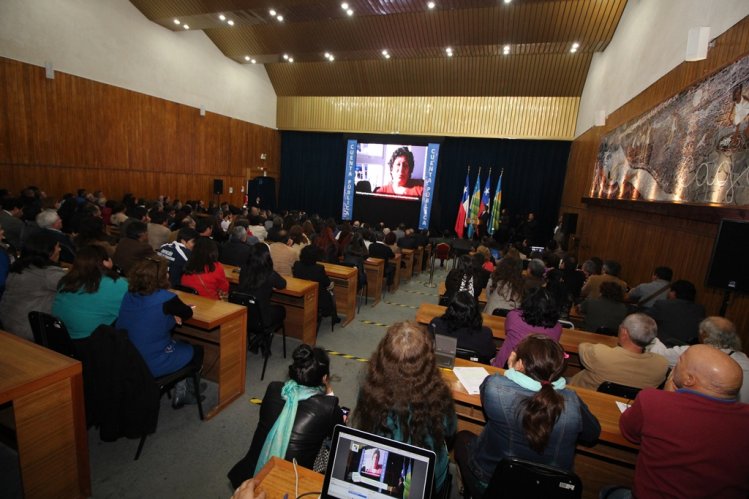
{"x":278,"y":437}
{"x":531,"y":384}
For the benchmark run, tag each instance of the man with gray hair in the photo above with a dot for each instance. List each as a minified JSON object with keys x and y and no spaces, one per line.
{"x":534,"y":278}
{"x":627,"y":363}
{"x":236,"y":251}
{"x":720,"y":333}
{"x":50,"y":222}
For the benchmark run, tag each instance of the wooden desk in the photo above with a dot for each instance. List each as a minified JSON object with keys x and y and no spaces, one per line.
{"x":299,"y":298}
{"x":441,"y":289}
{"x":221,"y":329}
{"x":570,"y":340}
{"x":375,"y":269}
{"x":277,"y":479}
{"x":418,"y":260}
{"x":345,"y":281}
{"x":232,"y":273}
{"x":407,"y":256}
{"x":46,"y":393}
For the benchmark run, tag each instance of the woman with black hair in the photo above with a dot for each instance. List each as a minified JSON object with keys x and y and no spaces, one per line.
{"x":31,"y":284}
{"x":463,"y":320}
{"x":538,"y":313}
{"x":462,"y":278}
{"x":90,"y":294}
{"x":295,"y":417}
{"x":258,"y":279}
{"x":529,"y":415}
{"x":308,"y":268}
{"x":203,"y":272}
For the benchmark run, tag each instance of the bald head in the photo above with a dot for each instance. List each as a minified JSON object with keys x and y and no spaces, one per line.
{"x":709,"y":371}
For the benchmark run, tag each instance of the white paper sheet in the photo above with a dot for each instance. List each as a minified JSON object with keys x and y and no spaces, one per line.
{"x":471,"y":378}
{"x":622,"y":406}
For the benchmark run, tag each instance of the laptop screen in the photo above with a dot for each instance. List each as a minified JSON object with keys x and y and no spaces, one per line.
{"x":363,"y":465}
{"x":445,"y":348}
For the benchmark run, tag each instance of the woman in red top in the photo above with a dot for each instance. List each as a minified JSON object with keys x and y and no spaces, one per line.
{"x":203,"y":272}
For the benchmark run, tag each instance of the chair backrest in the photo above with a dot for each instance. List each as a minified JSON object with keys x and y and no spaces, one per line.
{"x":467,"y":353}
{"x":608,"y":331}
{"x":501,"y":312}
{"x":50,"y":332}
{"x":186,"y":289}
{"x":255,"y":321}
{"x":624,"y":391}
{"x":515,"y":478}
{"x":566,"y":324}
{"x":442,"y":251}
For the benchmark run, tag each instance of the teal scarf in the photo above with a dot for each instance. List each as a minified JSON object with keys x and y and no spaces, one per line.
{"x":278,"y":437}
{"x":531,"y":384}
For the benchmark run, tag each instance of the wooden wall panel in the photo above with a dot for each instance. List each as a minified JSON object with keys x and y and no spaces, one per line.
{"x":641,"y":241}
{"x":71,"y":132}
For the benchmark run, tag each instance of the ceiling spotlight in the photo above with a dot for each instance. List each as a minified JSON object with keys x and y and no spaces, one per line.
{"x":186,"y":26}
{"x":508,"y":1}
{"x":286,"y":56}
{"x":431,"y":5}
{"x":253,"y":61}
{"x":291,"y":59}
{"x":176,"y":21}
{"x":344,"y":6}
{"x":387,"y":56}
{"x":575,"y":45}
{"x":230,"y":22}
{"x":327,"y":55}
{"x":247,"y":58}
{"x":272,"y":12}
{"x":280,"y":18}
{"x":222,"y":17}
{"x":331,"y":58}
{"x":385,"y":52}
{"x":449,"y":51}
{"x":506,"y":49}
{"x":350,"y":12}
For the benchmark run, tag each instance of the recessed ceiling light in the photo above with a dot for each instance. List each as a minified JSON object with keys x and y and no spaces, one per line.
{"x":280,"y":18}
{"x":431,"y":5}
{"x":506,"y":49}
{"x":575,"y":45}
{"x":247,"y":58}
{"x":253,"y":61}
{"x":344,"y":6}
{"x":385,"y":52}
{"x":272,"y":12}
{"x":331,"y":58}
{"x":291,"y":59}
{"x":350,"y":12}
{"x":176,"y":21}
{"x":230,"y":22}
{"x":508,"y":1}
{"x":286,"y":56}
{"x":222,"y":17}
{"x":186,"y":26}
{"x":387,"y":56}
{"x":327,"y":54}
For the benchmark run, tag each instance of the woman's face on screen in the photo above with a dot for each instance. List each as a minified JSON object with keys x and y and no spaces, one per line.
{"x":401,"y":171}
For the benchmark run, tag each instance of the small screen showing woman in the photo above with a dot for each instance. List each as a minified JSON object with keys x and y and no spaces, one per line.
{"x":387,"y":169}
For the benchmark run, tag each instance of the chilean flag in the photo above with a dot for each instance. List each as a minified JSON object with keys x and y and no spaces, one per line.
{"x":460,"y":222}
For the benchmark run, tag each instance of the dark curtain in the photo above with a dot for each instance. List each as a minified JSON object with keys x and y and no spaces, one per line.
{"x":313,"y":165}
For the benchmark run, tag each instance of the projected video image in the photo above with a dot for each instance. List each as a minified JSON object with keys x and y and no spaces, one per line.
{"x":390,"y":169}
{"x":379,"y":470}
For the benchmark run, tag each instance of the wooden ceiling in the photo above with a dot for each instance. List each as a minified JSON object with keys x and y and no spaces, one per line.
{"x":539,"y":33}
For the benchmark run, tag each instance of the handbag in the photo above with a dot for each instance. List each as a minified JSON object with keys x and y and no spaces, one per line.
{"x":321,"y":460}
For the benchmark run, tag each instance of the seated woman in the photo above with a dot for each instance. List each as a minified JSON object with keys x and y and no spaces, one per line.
{"x":463,"y":320}
{"x":149,"y":312}
{"x":258,"y":279}
{"x":90,"y":294}
{"x":538,"y":313}
{"x":308,"y":268}
{"x":462,"y":278}
{"x":203,"y":272}
{"x":327,"y":245}
{"x":295,"y":417}
{"x":31,"y":284}
{"x":605,"y":312}
{"x":404,"y":397}
{"x":529,"y":415}
{"x":505,"y":289}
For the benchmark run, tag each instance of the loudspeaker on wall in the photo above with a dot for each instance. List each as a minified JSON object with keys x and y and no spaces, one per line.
{"x":218,"y":186}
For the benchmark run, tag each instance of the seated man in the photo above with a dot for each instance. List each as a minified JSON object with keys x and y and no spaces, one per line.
{"x":49,"y":221}
{"x":592,"y":287}
{"x":692,"y":436}
{"x":133,"y":247}
{"x":626,"y":364}
{"x":647,"y":293}
{"x":178,"y":252}
{"x":281,"y":253}
{"x":678,"y":317}
{"x":378,"y":249}
{"x":720,"y":333}
{"x":236,"y":251}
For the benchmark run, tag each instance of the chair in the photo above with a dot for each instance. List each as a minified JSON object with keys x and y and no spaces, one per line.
{"x":623,"y":391}
{"x":50,"y":332}
{"x":167,"y":382}
{"x":467,"y":353}
{"x":186,"y":289}
{"x":442,"y":251}
{"x":257,"y":332}
{"x":608,"y":331}
{"x":362,"y":287}
{"x":363,"y":186}
{"x":566,"y":324}
{"x":519,"y":478}
{"x":501,"y":312}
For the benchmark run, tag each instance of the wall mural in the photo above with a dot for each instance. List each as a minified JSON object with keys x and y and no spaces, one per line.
{"x":692,"y":148}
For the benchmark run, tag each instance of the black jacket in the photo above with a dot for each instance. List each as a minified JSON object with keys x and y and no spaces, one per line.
{"x":315,"y":419}
{"x":316,"y":273}
{"x":235,"y":253}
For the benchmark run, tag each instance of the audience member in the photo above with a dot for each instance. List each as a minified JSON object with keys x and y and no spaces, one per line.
{"x":538,"y":313}
{"x":10,"y":219}
{"x":626,"y":364}
{"x":592,"y":287}
{"x":158,"y":230}
{"x":203,"y":272}
{"x":462,"y":278}
{"x":235,"y":251}
{"x":717,"y":332}
{"x":534,"y":278}
{"x":90,"y":294}
{"x":50,"y":222}
{"x":378,"y":249}
{"x":258,"y":279}
{"x":282,"y":254}
{"x":133,"y":247}
{"x":178,"y":252}
{"x":308,"y":268}
{"x":31,"y":284}
{"x":463,"y":320}
{"x":295,"y":417}
{"x":5,"y":260}
{"x":530,"y":415}
{"x":326,"y":246}
{"x":404,"y":397}
{"x":91,"y":232}
{"x":692,"y":436}
{"x":605,"y":313}
{"x":646,"y":294}
{"x":505,"y":289}
{"x":678,"y":317}
{"x":572,"y":278}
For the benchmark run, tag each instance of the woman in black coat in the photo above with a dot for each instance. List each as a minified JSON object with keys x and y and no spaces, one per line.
{"x":308,"y":268}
